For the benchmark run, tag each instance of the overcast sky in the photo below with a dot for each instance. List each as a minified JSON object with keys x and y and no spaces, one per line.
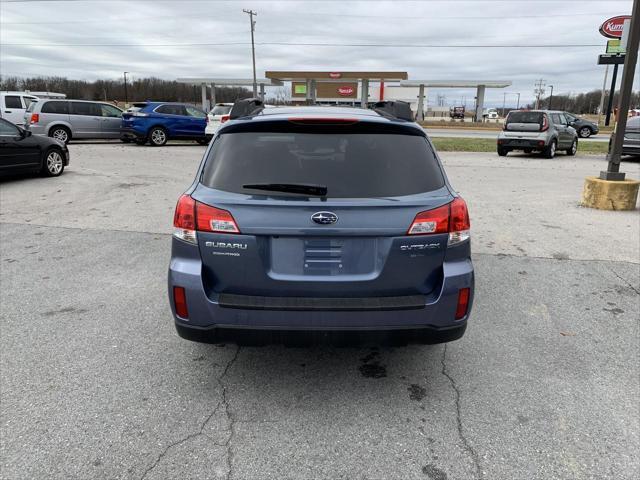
{"x":436,"y":40}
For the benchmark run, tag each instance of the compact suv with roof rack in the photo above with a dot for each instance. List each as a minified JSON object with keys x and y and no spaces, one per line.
{"x":317,"y":221}
{"x":159,"y":122}
{"x":545,"y":131}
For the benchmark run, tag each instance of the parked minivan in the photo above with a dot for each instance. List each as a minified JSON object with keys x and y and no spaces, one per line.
{"x":13,"y":106}
{"x":73,"y":119}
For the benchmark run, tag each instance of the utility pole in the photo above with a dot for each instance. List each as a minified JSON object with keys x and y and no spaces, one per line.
{"x":504,"y":96}
{"x":630,"y":61}
{"x":550,"y":96}
{"x":604,"y":86}
{"x":612,"y":92}
{"x":125,"y":90}
{"x":539,"y":90}
{"x":251,"y":13}
{"x":518,"y":105}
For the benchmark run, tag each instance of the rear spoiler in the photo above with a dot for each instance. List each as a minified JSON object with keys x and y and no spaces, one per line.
{"x":396,"y":109}
{"x":246,"y":107}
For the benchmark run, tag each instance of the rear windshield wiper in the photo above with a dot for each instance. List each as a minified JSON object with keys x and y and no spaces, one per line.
{"x":301,"y":188}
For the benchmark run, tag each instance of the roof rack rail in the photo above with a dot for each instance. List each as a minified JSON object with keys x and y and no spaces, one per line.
{"x":396,"y":109}
{"x":246,"y":107}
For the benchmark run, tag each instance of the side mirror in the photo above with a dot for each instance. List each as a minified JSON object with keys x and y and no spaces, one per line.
{"x":25,"y":133}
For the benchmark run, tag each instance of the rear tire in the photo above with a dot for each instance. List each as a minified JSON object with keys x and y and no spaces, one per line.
{"x":550,"y":150}
{"x":60,"y":133}
{"x":574,"y":148}
{"x":528,"y":150}
{"x":140,"y":141}
{"x":585,"y":132}
{"x":53,"y":163}
{"x":158,"y":137}
{"x":502,"y":151}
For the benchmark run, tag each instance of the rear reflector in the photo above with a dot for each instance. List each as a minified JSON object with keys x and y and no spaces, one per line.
{"x":463,"y":303}
{"x":180,"y":302}
{"x":35,"y":118}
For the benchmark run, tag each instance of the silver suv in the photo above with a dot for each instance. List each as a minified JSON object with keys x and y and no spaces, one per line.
{"x":545,"y":131}
{"x":67,"y":119}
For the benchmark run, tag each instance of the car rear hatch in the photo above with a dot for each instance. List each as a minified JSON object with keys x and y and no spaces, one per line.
{"x":129,"y":116}
{"x":525,"y":125}
{"x":295,"y":239}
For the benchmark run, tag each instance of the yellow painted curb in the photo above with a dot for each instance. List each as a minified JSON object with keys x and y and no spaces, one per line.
{"x":610,"y":195}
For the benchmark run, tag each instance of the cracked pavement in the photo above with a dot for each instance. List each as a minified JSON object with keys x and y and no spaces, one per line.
{"x":94,"y":382}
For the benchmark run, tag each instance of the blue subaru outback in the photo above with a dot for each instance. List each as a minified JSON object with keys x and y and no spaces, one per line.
{"x":320,"y":221}
{"x":159,"y":122}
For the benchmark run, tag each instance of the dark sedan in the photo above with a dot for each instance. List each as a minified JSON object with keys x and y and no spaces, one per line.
{"x":22,"y":152}
{"x":631,"y":142}
{"x":585,"y":128}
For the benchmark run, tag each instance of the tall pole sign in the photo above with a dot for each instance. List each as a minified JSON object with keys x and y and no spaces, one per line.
{"x":632,"y":36}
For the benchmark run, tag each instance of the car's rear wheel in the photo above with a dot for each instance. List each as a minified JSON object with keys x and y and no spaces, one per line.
{"x":550,"y":150}
{"x":140,"y":141}
{"x":158,"y":136}
{"x":585,"y":132}
{"x":574,"y":147}
{"x":528,"y":150}
{"x":53,"y":164}
{"x":502,"y":151}
{"x":60,"y":133}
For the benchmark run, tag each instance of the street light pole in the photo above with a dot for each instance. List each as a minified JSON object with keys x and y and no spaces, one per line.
{"x":518,"y":104}
{"x":251,"y":13}
{"x":550,"y":96}
{"x":125,"y":89}
{"x":631,"y":58}
{"x":504,"y":96}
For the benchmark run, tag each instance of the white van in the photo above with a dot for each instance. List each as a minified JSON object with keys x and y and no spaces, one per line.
{"x":14,"y":104}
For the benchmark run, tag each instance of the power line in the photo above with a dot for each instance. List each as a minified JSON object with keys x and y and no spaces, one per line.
{"x":429,"y":18}
{"x":303,"y":44}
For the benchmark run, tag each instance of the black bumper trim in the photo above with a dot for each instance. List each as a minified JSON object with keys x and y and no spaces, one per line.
{"x":249,"y":302}
{"x":421,"y":335}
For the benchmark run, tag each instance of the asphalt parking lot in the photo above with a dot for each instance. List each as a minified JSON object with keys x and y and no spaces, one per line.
{"x":96,"y":384}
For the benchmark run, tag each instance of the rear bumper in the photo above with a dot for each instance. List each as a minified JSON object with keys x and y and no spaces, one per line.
{"x":132,"y":134}
{"x":428,"y":313}
{"x":521,"y":143}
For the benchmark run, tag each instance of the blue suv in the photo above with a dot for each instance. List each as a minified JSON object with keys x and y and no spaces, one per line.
{"x":159,"y":122}
{"x":325,"y":220}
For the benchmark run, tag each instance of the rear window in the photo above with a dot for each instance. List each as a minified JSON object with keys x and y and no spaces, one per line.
{"x":350,"y":165}
{"x":525,"y":117}
{"x":55,"y":107}
{"x":221,"y":110}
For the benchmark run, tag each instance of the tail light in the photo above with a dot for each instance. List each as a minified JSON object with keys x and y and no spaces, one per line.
{"x":224,"y":118}
{"x":463,"y":302}
{"x":192,"y":216}
{"x":180,"y":302}
{"x":452,"y":218}
{"x":545,"y":124}
{"x":35,"y":118}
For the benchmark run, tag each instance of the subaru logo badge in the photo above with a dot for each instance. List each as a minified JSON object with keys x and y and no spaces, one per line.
{"x":324,"y":218}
